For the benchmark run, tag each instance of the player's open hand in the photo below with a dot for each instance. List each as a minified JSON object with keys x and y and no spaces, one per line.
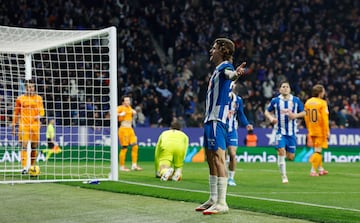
{"x":249,"y":127}
{"x":291,"y":115}
{"x":240,"y":70}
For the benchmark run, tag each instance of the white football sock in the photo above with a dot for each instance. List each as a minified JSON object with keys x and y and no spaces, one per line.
{"x":231,"y":174}
{"x":282,"y":165}
{"x":222,"y":188}
{"x":213,"y":182}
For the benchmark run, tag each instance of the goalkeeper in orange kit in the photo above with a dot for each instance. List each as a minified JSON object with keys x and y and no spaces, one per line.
{"x":317,"y":124}
{"x":28,"y":110}
{"x":127,"y":137}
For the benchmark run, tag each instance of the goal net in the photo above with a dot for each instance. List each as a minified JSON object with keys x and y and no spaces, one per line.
{"x":75,"y":74}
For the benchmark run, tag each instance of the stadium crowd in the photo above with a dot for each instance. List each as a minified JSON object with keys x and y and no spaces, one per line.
{"x":163,"y":50}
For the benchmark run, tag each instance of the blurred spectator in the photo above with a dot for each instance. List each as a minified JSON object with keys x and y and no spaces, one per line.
{"x":250,"y":113}
{"x":268,"y":88}
{"x":164,"y":92}
{"x":140,"y":119}
{"x":74,"y":91}
{"x":260,"y":117}
{"x":189,"y":106}
{"x":305,"y":42}
{"x":155,"y":118}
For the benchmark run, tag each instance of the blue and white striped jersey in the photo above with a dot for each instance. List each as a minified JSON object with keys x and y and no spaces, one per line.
{"x":281,"y":108}
{"x":236,"y":113}
{"x":217,"y":96}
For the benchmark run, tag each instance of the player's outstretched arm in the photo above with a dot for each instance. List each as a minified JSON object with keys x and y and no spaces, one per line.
{"x":235,"y":74}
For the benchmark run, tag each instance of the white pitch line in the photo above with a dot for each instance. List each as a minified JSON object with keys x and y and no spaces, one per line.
{"x":306,"y":192}
{"x":245,"y":196}
{"x":295,"y":202}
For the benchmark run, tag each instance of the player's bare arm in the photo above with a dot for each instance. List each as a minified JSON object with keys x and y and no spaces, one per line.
{"x":271,"y":118}
{"x":235,"y":74}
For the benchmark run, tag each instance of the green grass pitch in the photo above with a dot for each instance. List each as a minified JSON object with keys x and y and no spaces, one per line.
{"x":331,"y":198}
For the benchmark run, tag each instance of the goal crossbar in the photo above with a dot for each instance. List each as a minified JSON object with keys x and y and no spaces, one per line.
{"x":25,"y":41}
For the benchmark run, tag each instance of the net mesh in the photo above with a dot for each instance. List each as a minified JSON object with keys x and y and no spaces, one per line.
{"x":73,"y":79}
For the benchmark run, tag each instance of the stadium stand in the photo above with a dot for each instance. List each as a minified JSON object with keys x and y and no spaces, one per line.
{"x":163,"y":52}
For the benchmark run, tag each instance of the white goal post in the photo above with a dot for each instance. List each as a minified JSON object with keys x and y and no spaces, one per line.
{"x":75,"y":73}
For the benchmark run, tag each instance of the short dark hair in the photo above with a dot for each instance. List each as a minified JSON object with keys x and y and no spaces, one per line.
{"x":124,"y":96}
{"x":30,"y":81}
{"x":175,"y":125}
{"x":284,"y":82}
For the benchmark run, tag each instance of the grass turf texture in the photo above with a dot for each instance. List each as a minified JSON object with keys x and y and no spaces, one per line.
{"x":331,"y":198}
{"x":56,"y":203}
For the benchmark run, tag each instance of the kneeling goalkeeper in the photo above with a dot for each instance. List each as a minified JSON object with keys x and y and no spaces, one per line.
{"x":170,"y":153}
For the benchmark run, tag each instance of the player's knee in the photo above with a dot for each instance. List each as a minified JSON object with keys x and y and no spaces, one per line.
{"x":290,"y":156}
{"x":281,"y":152}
